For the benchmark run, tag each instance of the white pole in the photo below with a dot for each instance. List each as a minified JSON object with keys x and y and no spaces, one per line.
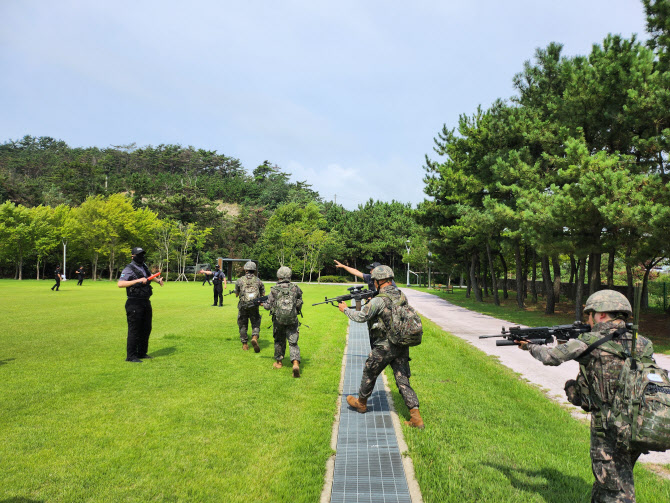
{"x":407,"y":246}
{"x":64,"y":259}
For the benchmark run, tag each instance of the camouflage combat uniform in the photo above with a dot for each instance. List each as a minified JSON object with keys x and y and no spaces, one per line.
{"x":282,"y":333}
{"x":612,"y":461}
{"x":245,"y":311}
{"x":377,"y":314}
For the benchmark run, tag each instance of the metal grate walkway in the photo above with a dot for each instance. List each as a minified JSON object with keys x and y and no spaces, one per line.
{"x":368,"y":465}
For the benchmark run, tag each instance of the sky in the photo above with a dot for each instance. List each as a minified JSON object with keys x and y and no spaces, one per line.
{"x":347,"y":95}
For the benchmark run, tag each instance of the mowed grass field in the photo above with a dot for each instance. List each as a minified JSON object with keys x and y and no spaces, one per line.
{"x":206,"y":422}
{"x":202,"y":421}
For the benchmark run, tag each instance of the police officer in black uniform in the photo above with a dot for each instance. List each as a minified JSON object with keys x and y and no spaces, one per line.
{"x":138,"y":306}
{"x":219,"y":279}
{"x":57,"y":278}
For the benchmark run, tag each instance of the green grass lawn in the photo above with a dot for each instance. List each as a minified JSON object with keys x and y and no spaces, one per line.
{"x":206,"y":422}
{"x":203,"y":419}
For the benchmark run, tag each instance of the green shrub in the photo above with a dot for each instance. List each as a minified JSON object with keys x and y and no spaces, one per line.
{"x":336,"y":279}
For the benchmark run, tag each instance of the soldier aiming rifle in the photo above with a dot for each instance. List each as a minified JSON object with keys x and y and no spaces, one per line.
{"x":356,"y":294}
{"x":540,"y":335}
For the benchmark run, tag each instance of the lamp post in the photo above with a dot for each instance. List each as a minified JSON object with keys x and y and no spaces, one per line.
{"x":407,"y":246}
{"x":430,"y":262}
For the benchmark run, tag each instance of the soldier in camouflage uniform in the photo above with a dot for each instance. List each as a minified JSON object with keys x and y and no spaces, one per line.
{"x":377,"y":314}
{"x":612,"y":459}
{"x":285,"y":302}
{"x":248,"y":288}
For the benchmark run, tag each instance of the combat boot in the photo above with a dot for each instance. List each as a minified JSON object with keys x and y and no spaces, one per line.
{"x":245,"y":346}
{"x":277,"y":364}
{"x":254,"y":343}
{"x":360,"y":404}
{"x":415,"y":419}
{"x":296,"y":368}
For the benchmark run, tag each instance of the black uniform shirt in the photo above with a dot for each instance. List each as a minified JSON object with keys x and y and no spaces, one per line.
{"x":132,"y":272}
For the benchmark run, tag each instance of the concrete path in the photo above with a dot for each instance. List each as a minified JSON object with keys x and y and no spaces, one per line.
{"x":469,"y":325}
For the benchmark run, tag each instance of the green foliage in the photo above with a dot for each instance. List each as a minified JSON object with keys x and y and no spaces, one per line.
{"x":336,"y":279}
{"x":574,"y":167}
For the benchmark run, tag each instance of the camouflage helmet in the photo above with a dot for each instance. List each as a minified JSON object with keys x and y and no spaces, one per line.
{"x":382,"y":272}
{"x":250,"y":266}
{"x":284,"y":273}
{"x":608,"y":301}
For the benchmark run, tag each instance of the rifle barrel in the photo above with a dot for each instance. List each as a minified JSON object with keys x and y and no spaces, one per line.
{"x":507,"y":342}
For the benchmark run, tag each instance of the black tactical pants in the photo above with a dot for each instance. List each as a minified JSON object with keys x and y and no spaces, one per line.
{"x":398,"y":358}
{"x":139,"y":314}
{"x":57,"y":285}
{"x":218,"y":293}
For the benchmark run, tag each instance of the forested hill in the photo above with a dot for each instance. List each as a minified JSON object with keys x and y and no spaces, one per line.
{"x":186,"y":205}
{"x":167,"y":178}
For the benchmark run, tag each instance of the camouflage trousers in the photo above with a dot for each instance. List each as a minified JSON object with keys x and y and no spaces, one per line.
{"x":281,"y":334}
{"x":612,"y":464}
{"x":398,"y":358}
{"x":244,"y":315}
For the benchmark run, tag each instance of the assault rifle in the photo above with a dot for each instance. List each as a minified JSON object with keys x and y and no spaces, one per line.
{"x":540,"y":335}
{"x":356,"y":293}
{"x":229,"y":293}
{"x":258,"y":301}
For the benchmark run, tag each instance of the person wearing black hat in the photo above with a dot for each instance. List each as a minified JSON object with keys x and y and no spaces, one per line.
{"x":219,"y":280}
{"x":134,"y":278}
{"x":57,"y":278}
{"x":364,"y":276}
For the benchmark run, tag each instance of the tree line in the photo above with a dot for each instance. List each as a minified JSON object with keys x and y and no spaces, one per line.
{"x":571,"y":169}
{"x":101,"y":231}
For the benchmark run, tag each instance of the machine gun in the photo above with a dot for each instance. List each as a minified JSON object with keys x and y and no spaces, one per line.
{"x":356,"y":293}
{"x":540,"y":335}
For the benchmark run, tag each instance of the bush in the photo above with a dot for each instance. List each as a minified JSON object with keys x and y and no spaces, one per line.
{"x":336,"y":279}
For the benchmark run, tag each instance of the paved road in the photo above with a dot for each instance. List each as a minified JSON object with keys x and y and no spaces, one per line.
{"x":469,"y":325}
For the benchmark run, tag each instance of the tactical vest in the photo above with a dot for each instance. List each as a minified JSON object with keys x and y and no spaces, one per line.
{"x":139,"y":290}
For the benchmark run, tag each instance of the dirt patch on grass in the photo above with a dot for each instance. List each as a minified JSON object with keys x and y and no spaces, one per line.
{"x":231,"y":208}
{"x":659,"y":470}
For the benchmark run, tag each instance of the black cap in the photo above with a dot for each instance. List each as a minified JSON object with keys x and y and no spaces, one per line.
{"x":373,"y":265}
{"x":216,"y":266}
{"x":137,"y":251}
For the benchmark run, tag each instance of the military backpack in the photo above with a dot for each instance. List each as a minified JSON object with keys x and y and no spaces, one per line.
{"x":250,"y":289}
{"x":641,"y":403}
{"x":406,"y":328}
{"x":285,"y":309}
